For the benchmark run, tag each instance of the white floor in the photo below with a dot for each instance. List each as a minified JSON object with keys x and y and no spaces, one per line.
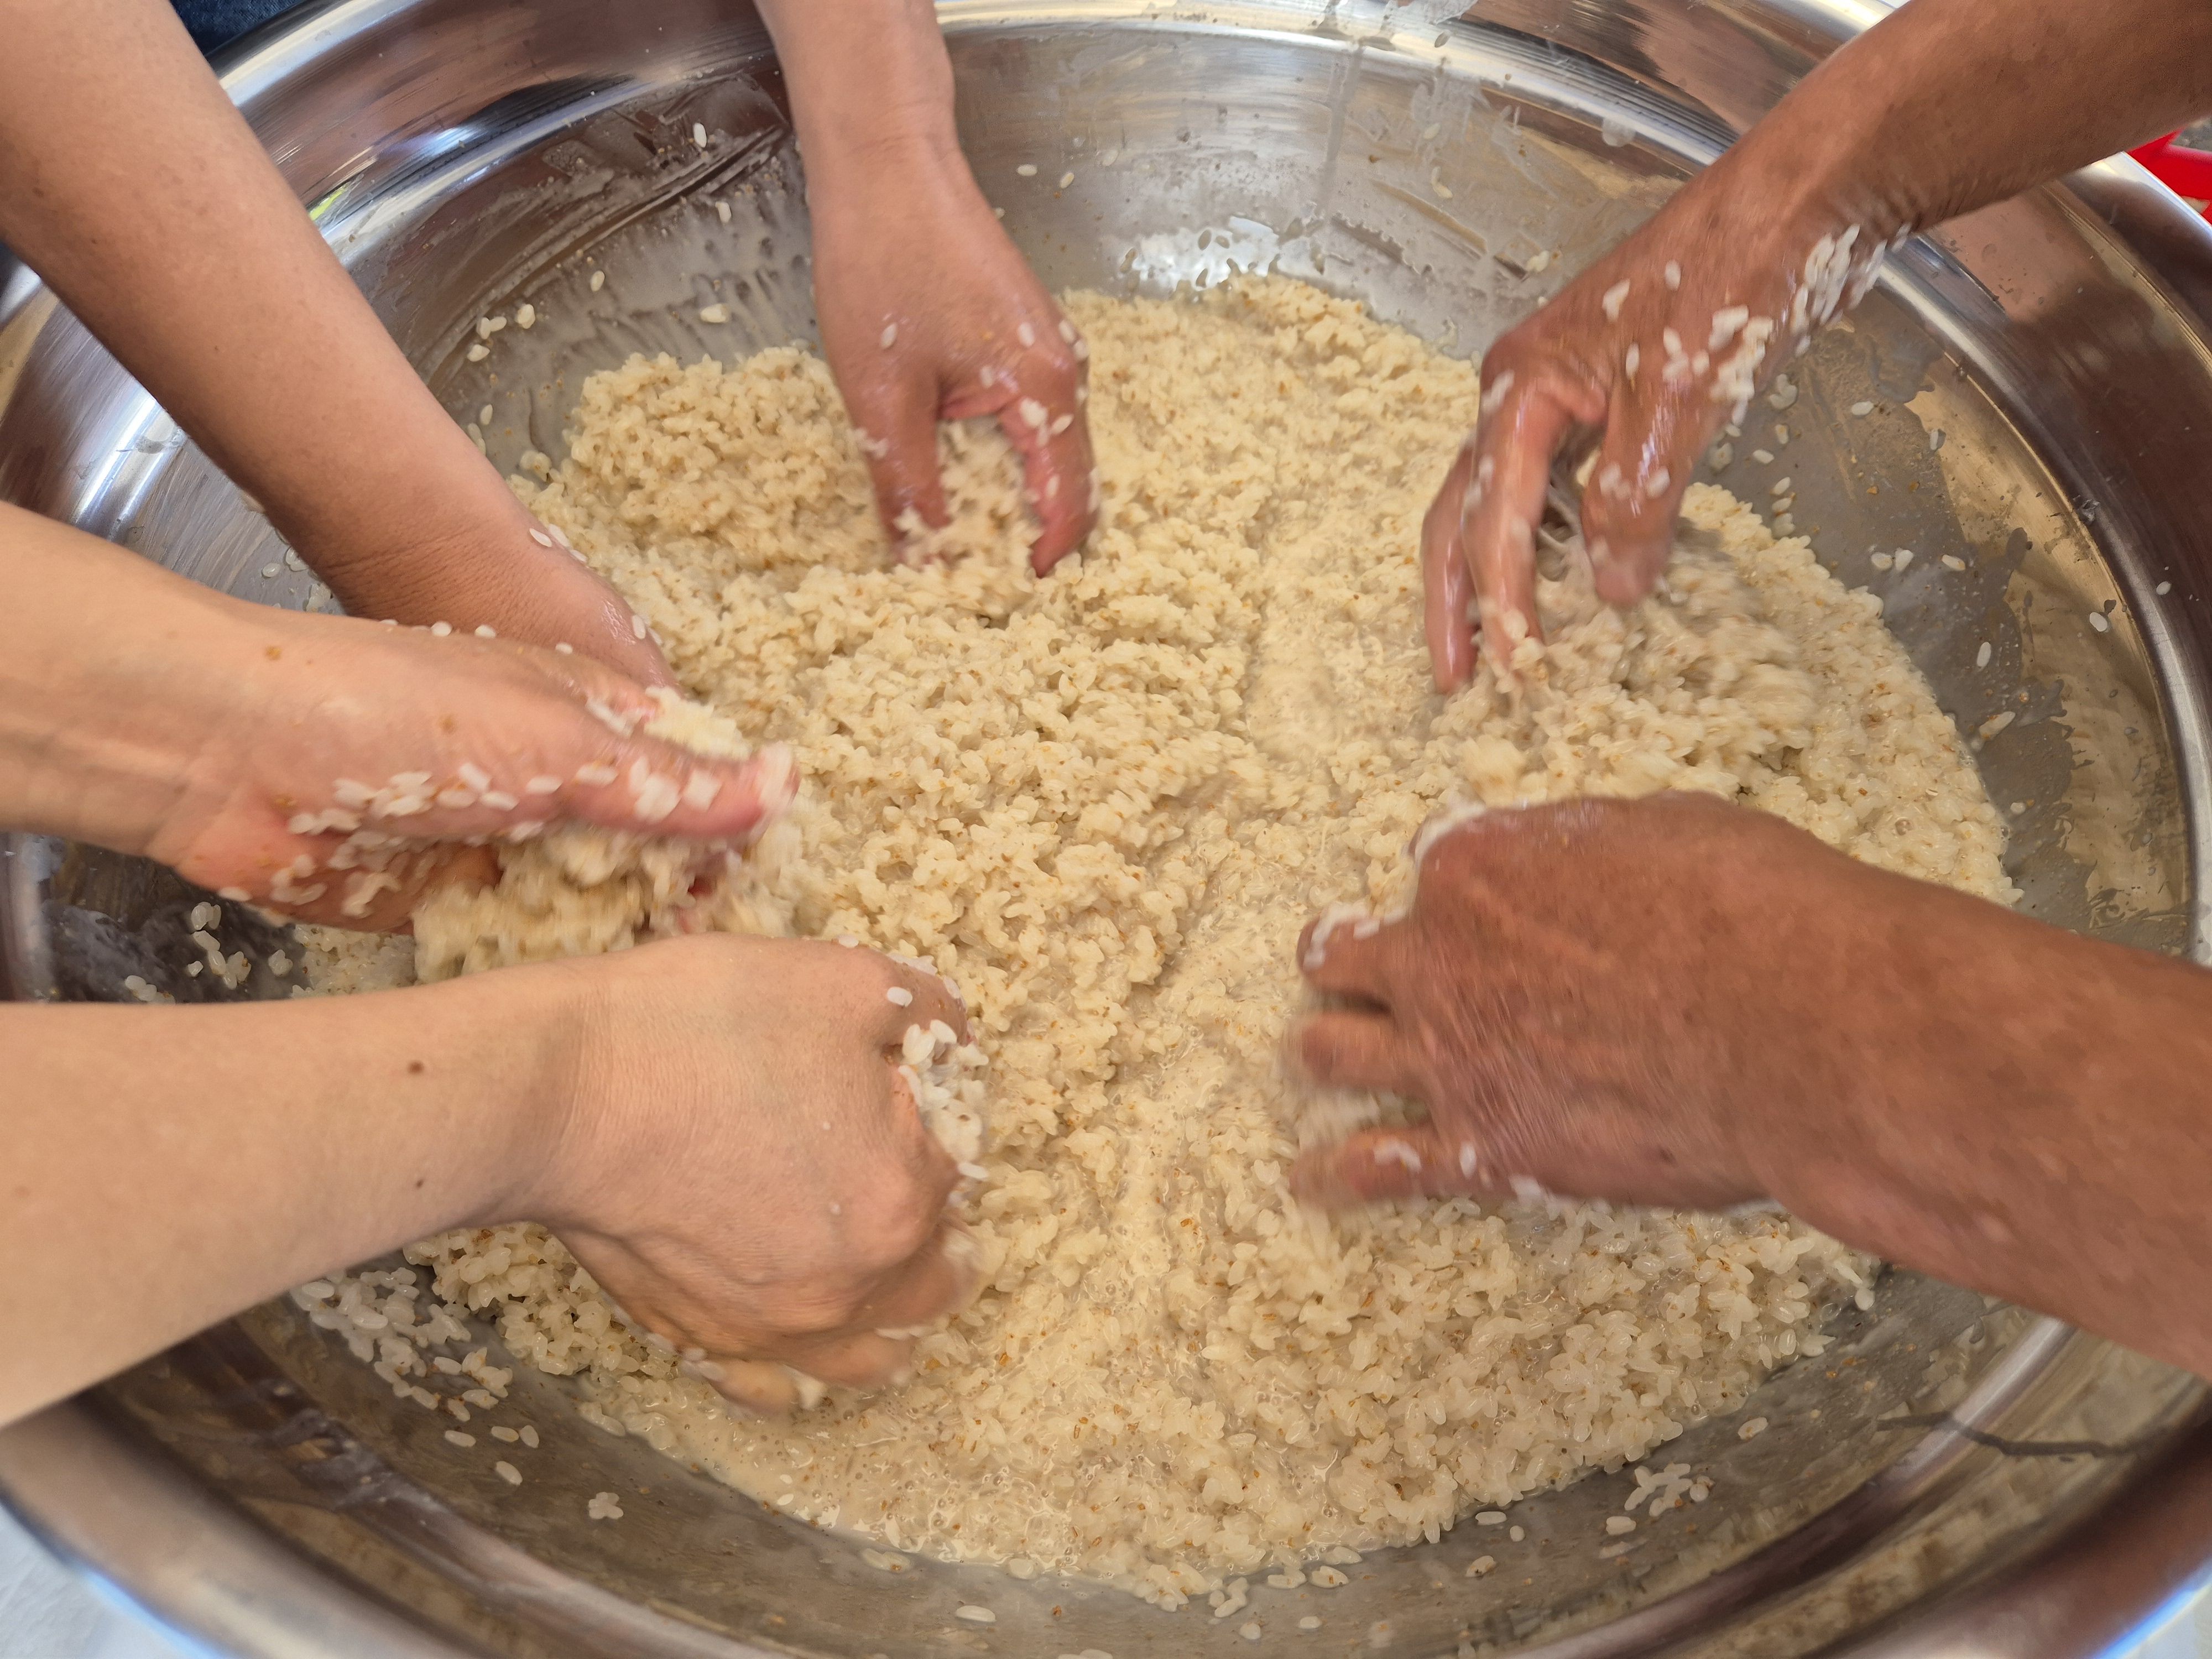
{"x":47,"y":1612}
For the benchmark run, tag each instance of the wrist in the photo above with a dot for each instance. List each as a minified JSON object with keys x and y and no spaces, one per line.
{"x":895,"y":159}
{"x":462,"y":509}
{"x":534,"y":1133}
{"x":1759,"y":211}
{"x":871,"y":87}
{"x":105,"y":714}
{"x":1827,"y":158}
{"x":1938,"y":1016}
{"x":561,"y":1147}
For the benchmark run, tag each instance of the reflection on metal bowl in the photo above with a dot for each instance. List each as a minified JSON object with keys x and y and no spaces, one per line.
{"x":2037,"y":372}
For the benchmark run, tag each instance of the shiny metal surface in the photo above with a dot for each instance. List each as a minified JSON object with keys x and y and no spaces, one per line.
{"x":1951,"y":1479}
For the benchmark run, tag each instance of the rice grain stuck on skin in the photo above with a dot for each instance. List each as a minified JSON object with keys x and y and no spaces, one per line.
{"x":1104,"y":803}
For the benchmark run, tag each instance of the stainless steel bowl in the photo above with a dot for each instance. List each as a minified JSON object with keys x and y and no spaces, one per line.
{"x":1953,"y":1478}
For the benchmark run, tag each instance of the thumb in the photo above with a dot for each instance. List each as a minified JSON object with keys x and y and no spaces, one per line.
{"x":649,"y":787}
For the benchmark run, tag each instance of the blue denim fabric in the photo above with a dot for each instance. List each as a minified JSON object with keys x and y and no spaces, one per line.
{"x":218,"y":22}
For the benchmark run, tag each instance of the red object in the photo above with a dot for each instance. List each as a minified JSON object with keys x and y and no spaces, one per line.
{"x":2184,"y":170}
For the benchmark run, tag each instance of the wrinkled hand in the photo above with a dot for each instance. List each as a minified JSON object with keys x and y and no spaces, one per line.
{"x":289,"y":727}
{"x":1632,"y":1000}
{"x":1649,"y":351}
{"x":742,"y":1169}
{"x":929,"y":313}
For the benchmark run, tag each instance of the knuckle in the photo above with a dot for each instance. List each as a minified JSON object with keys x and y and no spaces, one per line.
{"x":1052,"y":367}
{"x":817,"y":1308}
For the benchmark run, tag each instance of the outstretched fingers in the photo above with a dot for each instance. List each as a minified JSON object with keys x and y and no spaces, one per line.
{"x":1351,"y":1049}
{"x":1519,"y":434}
{"x":1447,"y":581}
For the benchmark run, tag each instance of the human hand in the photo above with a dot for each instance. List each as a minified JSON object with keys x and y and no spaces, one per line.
{"x":741,"y":1168}
{"x":308,"y":729}
{"x":1913,"y":122}
{"x":1680,"y":1002}
{"x":929,"y":313}
{"x":182,"y":247}
{"x":493,"y":565}
{"x":1633,"y":1000}
{"x":1650,"y":350}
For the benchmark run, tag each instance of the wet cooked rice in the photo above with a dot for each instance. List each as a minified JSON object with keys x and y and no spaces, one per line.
{"x":1104,"y":803}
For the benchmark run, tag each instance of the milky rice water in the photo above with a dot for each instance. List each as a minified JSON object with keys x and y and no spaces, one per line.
{"x":1103,"y":804}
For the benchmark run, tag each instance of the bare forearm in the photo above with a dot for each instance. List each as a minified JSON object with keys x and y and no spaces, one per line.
{"x":104,"y":708}
{"x":169,"y":1166}
{"x":2027,"y":1113}
{"x":1948,"y":105}
{"x":173,"y":238}
{"x":1675,"y":1001}
{"x":866,"y":77}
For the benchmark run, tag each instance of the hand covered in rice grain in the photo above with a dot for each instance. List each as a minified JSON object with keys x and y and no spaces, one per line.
{"x":1600,"y":998}
{"x":1656,"y":346}
{"x":1680,"y":1002}
{"x":1649,"y":351}
{"x":744,"y":1171}
{"x":334,"y":747}
{"x":929,"y":313}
